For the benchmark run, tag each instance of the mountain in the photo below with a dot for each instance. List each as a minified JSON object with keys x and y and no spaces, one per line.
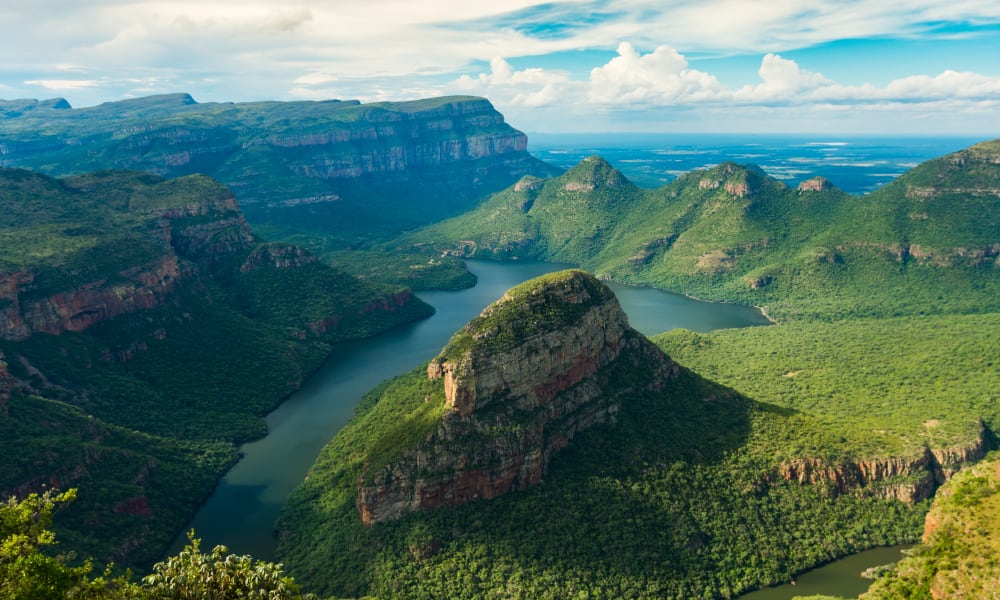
{"x":549,"y":447}
{"x":734,"y":233}
{"x":341,"y":168}
{"x":144,"y":332}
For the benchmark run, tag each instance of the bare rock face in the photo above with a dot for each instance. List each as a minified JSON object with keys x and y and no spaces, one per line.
{"x":816,"y":184}
{"x":907,"y":479}
{"x":141,"y":287}
{"x":551,"y":358}
{"x":195,"y":237}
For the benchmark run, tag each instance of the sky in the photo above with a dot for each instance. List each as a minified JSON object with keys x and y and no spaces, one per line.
{"x":892,"y":67}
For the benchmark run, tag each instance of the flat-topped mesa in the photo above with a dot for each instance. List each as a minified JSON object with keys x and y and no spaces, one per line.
{"x":551,"y":358}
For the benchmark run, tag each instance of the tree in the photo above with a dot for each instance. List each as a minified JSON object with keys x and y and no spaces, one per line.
{"x":194,"y":575}
{"x":28,"y":573}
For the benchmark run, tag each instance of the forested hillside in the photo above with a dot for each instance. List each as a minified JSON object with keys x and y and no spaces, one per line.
{"x":144,"y":332}
{"x":927,"y":243}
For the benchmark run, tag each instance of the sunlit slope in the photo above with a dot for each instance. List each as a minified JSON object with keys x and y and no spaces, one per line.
{"x":927,"y":243}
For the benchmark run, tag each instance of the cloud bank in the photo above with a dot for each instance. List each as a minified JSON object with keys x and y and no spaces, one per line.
{"x":635,"y":56}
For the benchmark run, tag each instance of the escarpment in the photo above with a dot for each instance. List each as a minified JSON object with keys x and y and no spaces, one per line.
{"x":907,"y":479}
{"x":425,"y":158}
{"x":158,"y":245}
{"x":551,"y":358}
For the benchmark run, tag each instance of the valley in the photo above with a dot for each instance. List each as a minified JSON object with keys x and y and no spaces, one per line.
{"x":147,"y":326}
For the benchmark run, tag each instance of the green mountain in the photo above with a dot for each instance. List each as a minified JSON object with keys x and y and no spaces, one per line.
{"x":549,"y":448}
{"x":926,"y":243}
{"x":144,"y":332}
{"x":343,"y":169}
{"x":760,"y":453}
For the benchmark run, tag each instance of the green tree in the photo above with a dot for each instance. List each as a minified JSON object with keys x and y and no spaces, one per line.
{"x":194,"y":575}
{"x":27,"y":573}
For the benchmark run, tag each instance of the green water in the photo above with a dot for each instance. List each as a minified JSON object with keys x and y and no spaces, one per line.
{"x":839,"y":578}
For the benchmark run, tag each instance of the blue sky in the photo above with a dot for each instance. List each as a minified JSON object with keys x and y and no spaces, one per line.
{"x":919,"y":67}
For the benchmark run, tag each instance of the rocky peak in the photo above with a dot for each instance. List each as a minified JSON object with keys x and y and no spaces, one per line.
{"x":815,"y":184}
{"x":551,"y":358}
{"x":592,"y":173}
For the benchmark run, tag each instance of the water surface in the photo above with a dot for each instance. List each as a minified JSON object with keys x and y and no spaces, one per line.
{"x":839,"y":578}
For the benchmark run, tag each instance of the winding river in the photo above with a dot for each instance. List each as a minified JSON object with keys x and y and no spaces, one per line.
{"x":241,"y":512}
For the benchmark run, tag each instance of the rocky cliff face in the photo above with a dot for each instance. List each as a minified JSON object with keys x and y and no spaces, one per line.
{"x":141,"y":287}
{"x":909,"y":479}
{"x":198,"y":234}
{"x":550,"y":359}
{"x":415,"y":155}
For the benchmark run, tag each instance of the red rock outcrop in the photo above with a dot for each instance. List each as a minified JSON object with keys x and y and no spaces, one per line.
{"x":815,"y":184}
{"x":512,"y":404}
{"x":909,"y":479}
{"x":77,"y":309}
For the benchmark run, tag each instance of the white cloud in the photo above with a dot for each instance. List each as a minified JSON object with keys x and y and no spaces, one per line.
{"x":531,"y":87}
{"x":783,"y":81}
{"x":63,"y":84}
{"x":399,"y":49}
{"x":660,"y":77}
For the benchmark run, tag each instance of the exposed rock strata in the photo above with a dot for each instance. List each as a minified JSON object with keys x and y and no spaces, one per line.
{"x":537,"y":367}
{"x":281,"y":154}
{"x":910,"y":479}
{"x":77,"y":309}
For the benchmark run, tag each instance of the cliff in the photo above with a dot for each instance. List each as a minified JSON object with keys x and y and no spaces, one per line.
{"x":907,"y":479}
{"x":548,"y":360}
{"x":957,"y":556}
{"x":400,"y":163}
{"x":166,"y":233}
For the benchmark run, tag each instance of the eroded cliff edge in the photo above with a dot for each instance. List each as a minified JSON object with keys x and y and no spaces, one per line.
{"x":551,"y":358}
{"x":335,"y":164}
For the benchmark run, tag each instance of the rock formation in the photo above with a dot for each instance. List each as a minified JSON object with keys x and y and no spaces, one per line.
{"x":551,"y":358}
{"x":908,"y":479}
{"x":425,"y":157}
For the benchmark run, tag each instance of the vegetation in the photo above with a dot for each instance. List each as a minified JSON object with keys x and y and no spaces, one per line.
{"x":677,"y":500}
{"x":143,"y":410}
{"x":887,"y":309}
{"x":958,"y":556}
{"x":925,"y":244}
{"x":27,"y":572}
{"x":347,"y":171}
{"x":880,"y":387}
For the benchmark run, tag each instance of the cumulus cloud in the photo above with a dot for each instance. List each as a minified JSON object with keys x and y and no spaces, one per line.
{"x":532,"y":87}
{"x":783,"y":80}
{"x":660,"y":77}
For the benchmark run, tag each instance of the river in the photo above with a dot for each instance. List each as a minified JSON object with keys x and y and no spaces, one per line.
{"x":839,"y":578}
{"x":241,"y":512}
